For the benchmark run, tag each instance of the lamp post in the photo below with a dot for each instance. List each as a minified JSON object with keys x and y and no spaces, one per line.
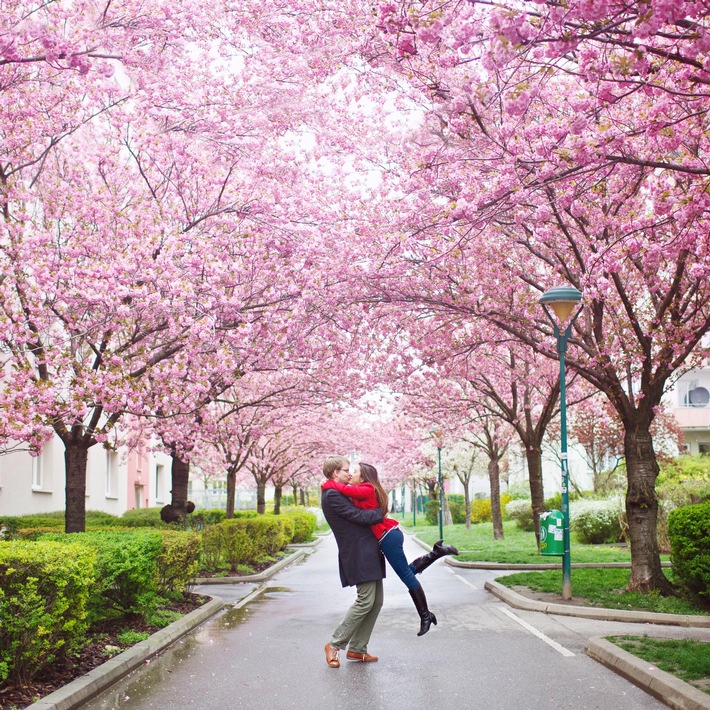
{"x":436,"y":435}
{"x":563,"y":300}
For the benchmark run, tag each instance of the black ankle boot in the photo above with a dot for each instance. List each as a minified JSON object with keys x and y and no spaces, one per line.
{"x":439,"y":550}
{"x":425,"y":616}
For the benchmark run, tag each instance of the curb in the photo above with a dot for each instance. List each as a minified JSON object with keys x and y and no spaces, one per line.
{"x":299,"y":552}
{"x":541,"y":565}
{"x":518,"y":601}
{"x":667,"y":688}
{"x":74,"y":694}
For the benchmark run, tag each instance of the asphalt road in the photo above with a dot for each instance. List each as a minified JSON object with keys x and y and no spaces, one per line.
{"x":269,"y":653}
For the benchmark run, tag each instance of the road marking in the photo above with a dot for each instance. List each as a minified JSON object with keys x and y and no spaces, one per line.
{"x":560,"y":649}
{"x":465,"y":581}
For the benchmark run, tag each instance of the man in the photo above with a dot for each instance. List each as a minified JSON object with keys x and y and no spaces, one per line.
{"x":361,"y":564}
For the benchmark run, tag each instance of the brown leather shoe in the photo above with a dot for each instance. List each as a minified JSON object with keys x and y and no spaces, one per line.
{"x":364,"y":657}
{"x":332,"y":656}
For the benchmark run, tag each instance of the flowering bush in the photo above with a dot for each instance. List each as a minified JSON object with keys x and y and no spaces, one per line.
{"x":481,"y":510}
{"x":521,"y":512}
{"x":597,"y":521}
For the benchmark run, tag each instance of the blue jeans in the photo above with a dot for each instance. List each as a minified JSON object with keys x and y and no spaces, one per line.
{"x":391,"y":546}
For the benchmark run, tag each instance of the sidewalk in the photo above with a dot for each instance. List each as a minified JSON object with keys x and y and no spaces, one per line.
{"x":238,"y":592}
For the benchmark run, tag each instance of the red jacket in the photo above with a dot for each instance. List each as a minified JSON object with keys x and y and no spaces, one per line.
{"x":364,"y":496}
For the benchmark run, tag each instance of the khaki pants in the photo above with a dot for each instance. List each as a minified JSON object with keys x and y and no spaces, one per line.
{"x":356,"y":628}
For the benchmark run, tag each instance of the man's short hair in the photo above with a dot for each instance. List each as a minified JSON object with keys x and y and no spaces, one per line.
{"x":332,"y":464}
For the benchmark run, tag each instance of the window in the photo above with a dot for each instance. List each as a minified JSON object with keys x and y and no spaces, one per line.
{"x":42,"y":470}
{"x":692,"y":394}
{"x":159,"y":482}
{"x":684,"y":387}
{"x":111,"y":474}
{"x":38,"y":472}
{"x":704,"y":448}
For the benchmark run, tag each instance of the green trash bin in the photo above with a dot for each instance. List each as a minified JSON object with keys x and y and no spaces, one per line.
{"x":551,"y":531}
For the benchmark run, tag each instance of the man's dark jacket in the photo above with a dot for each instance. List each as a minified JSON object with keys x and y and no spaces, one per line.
{"x":359,"y":556}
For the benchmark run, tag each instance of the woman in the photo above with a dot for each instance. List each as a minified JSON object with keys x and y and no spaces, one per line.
{"x":367,"y":493}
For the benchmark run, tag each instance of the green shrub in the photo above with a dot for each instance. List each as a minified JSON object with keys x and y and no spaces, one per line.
{"x":689,"y":534}
{"x":288,"y":527}
{"x":520,"y":510}
{"x":554,"y":502}
{"x":213,"y":546}
{"x":44,"y":591}
{"x":268,"y":534}
{"x":142,"y":518}
{"x":596,"y":522}
{"x":457,"y":508}
{"x":248,"y":539}
{"x":126,"y":569}
{"x":431,"y":512}
{"x":200,"y":519}
{"x":55,"y":521}
{"x":178,"y":561}
{"x":304,"y":525}
{"x":32,"y":534}
{"x":48,"y":521}
{"x":100,"y":519}
{"x":233,"y":540}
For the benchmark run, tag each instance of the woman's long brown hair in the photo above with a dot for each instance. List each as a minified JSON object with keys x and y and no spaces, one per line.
{"x":369,"y":473}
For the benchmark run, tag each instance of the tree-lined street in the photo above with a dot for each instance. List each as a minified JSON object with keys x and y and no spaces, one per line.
{"x":269,"y":653}
{"x":247,"y":236}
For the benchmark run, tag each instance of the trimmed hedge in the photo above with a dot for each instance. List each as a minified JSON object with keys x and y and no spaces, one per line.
{"x":44,"y":594}
{"x":126,"y":570}
{"x":178,"y":561}
{"x":689,"y":534}
{"x":304,"y":525}
{"x":249,"y":539}
{"x":228,"y":542}
{"x":55,"y":521}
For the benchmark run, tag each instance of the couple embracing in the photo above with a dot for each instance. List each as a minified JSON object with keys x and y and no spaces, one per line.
{"x":355,"y":506}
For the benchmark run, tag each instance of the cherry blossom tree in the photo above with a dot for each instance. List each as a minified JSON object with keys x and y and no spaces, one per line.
{"x":151,"y":183}
{"x":564,"y":145}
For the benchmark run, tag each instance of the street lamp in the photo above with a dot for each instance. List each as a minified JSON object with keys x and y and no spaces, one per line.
{"x":563,"y":300}
{"x":436,"y":435}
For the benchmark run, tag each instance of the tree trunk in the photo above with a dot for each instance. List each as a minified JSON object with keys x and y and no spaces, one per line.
{"x":303,"y":497}
{"x":533,"y":454}
{"x":494,"y":480}
{"x":642,"y":511}
{"x":261,"y":497}
{"x":180,"y":472}
{"x":76,"y":457}
{"x":446,"y":518}
{"x":277,"y":500}
{"x":467,"y":501}
{"x":231,"y":491}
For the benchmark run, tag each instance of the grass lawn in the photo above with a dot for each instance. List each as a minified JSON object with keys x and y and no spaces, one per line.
{"x":518,"y":546}
{"x":686,"y":659}
{"x":602,"y":588}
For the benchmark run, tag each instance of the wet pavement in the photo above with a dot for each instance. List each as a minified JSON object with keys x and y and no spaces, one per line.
{"x":265,"y":650}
